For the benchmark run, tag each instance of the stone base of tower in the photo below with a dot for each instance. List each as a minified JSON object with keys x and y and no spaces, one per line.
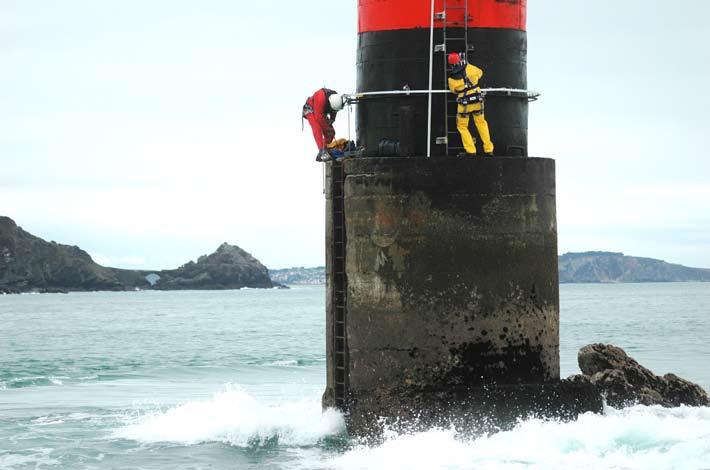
{"x":474,"y":410}
{"x":442,"y":290}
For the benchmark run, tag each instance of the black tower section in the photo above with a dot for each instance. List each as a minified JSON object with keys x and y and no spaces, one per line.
{"x":389,"y":60}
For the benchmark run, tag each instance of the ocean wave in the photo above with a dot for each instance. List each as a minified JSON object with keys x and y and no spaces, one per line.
{"x":294,"y":362}
{"x":32,"y":458}
{"x":17,"y":380}
{"x":236,"y":418}
{"x":32,"y":381}
{"x":640,"y":437}
{"x":299,"y":362}
{"x":88,"y":377}
{"x":284,"y":363}
{"x":47,"y":421}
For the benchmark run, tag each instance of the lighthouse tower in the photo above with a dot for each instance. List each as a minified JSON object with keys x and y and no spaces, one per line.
{"x":442,"y":281}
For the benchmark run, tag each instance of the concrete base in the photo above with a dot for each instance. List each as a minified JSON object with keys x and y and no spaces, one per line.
{"x":443,"y":306}
{"x":474,"y":410}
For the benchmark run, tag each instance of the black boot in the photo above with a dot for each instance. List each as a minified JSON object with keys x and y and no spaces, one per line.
{"x":323,"y":156}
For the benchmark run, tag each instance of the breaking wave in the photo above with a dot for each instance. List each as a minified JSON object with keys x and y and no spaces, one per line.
{"x":641,"y":437}
{"x":236,"y":418}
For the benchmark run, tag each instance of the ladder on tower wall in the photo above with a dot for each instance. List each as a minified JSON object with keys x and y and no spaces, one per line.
{"x":454,"y":15}
{"x":340,"y":376}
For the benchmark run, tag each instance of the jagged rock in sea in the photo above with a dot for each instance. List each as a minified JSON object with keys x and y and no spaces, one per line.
{"x":28,"y":263}
{"x":625,"y":382}
{"x":601,"y":266}
{"x":229,"y":267}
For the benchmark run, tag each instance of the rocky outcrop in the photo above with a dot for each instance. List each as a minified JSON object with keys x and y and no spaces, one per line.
{"x":229,"y":267}
{"x":625,"y":382}
{"x":601,"y":266}
{"x":29,"y":263}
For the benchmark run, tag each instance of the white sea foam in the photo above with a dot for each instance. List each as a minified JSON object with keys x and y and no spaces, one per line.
{"x":637,"y":438}
{"x":283,"y":363}
{"x":47,"y":421}
{"x":640,"y":437}
{"x":235,"y":417}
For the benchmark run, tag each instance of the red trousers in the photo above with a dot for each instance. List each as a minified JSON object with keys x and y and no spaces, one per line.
{"x":322,"y":135}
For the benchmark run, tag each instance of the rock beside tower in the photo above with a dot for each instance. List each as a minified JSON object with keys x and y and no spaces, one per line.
{"x":624,"y":382}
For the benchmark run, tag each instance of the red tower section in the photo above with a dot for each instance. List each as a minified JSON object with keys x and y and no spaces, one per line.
{"x":393,"y":52}
{"x":388,"y":15}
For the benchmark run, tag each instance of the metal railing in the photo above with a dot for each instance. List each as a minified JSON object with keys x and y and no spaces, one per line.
{"x":355,"y":98}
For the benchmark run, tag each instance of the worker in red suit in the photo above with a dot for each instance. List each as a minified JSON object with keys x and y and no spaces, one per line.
{"x":320,"y":111}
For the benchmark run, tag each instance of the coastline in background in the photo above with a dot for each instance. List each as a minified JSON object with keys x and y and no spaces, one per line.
{"x":591,"y":267}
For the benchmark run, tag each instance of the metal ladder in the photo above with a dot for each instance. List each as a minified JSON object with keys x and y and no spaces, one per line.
{"x":340,"y":376}
{"x":452,"y":44}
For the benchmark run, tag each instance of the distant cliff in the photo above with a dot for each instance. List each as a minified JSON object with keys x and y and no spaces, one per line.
{"x":28,"y":263}
{"x":601,"y":266}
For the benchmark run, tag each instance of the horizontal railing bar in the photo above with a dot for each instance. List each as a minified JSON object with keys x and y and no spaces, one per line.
{"x":351,"y":97}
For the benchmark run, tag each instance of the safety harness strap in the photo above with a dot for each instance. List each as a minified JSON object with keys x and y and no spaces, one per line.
{"x":307,"y":109}
{"x":328,"y":92}
{"x":474,"y":98}
{"x":469,"y":84}
{"x":477,"y":112}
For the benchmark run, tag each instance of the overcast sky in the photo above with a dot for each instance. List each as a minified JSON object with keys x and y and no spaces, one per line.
{"x":149,"y":132}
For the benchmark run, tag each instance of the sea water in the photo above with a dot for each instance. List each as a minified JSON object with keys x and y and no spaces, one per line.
{"x":233,"y":379}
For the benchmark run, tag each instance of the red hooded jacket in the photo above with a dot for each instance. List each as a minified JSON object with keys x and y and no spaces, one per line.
{"x":320,"y":116}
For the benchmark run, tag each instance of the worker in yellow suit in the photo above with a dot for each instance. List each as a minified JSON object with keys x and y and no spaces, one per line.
{"x":463,"y":81}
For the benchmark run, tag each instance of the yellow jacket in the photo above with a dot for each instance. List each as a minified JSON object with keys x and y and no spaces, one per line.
{"x":458,"y":85}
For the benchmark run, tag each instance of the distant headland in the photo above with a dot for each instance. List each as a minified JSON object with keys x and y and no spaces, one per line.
{"x":591,"y":267}
{"x":30,"y":264}
{"x":607,"y":267}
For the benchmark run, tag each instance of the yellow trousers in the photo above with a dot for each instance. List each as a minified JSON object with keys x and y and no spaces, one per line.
{"x":469,"y":143}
